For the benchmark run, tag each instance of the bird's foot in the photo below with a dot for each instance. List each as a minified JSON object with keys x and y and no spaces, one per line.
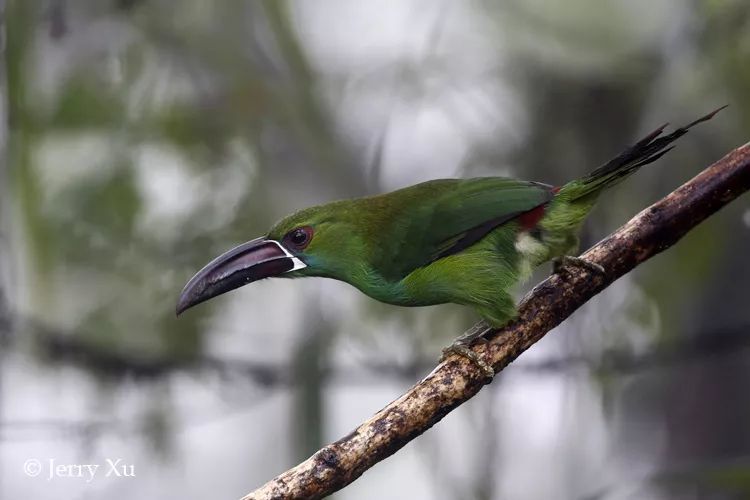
{"x":462,"y":347}
{"x":466,"y":352}
{"x":560,"y":263}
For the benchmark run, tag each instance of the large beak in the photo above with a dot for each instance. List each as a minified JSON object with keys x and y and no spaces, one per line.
{"x":251,"y":261}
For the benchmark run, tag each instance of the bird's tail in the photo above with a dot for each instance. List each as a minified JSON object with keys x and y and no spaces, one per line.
{"x":572,"y":203}
{"x":647,"y":150}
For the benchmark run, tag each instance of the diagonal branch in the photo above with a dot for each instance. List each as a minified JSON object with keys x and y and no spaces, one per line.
{"x":456,"y":380}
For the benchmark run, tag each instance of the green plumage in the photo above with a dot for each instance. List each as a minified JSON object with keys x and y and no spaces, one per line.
{"x":466,"y":241}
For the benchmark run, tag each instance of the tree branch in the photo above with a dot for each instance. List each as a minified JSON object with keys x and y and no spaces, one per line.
{"x":456,"y":380}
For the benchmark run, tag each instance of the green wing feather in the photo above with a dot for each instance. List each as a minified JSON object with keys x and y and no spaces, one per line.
{"x":441,"y":217}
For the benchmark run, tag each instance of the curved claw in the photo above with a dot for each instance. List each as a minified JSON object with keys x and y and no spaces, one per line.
{"x":462,"y":349}
{"x":560,"y":263}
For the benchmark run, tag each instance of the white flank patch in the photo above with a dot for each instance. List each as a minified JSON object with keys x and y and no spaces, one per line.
{"x":528,"y":245}
{"x":530,"y":249}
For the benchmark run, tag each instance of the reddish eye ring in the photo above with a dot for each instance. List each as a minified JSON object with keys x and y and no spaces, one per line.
{"x":300,"y":237}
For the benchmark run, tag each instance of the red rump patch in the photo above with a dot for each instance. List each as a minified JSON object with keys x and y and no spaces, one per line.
{"x":530,"y":219}
{"x":555,"y":189}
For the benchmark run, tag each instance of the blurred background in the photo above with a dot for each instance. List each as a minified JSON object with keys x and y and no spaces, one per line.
{"x":141,"y":138}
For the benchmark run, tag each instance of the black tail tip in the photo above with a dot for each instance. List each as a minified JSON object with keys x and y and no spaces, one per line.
{"x":706,"y":117}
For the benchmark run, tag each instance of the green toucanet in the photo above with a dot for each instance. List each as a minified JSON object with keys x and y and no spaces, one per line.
{"x":466,"y":241}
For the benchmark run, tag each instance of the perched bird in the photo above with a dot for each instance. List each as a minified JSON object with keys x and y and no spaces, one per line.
{"x":466,"y":241}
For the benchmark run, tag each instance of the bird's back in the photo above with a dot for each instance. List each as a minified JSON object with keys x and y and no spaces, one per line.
{"x":420,"y":224}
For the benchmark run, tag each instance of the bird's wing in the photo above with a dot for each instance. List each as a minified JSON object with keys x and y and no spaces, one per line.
{"x":449,"y":215}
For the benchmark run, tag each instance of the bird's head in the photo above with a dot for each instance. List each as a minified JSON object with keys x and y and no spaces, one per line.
{"x":318,"y":241}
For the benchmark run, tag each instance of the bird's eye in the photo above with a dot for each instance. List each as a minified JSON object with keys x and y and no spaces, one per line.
{"x":300,"y":236}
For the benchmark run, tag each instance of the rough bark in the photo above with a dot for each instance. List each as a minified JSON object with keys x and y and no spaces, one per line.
{"x":456,"y":380}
